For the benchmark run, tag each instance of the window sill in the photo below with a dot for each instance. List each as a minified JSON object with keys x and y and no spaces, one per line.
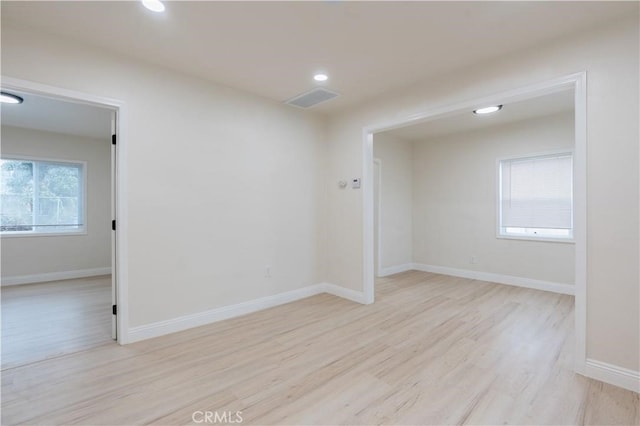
{"x":43,"y":234}
{"x":538,"y":239}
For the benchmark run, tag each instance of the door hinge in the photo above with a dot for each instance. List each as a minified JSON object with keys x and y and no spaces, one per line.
{"x":114,"y":309}
{"x":113,"y":225}
{"x":113,"y":139}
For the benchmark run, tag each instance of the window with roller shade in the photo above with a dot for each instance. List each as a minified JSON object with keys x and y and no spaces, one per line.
{"x":41,"y":197}
{"x":536,"y":197}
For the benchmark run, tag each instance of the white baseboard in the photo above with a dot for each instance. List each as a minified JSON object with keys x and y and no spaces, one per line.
{"x":345,"y":293}
{"x":384,"y":272}
{"x":55,"y":276}
{"x":218,"y":314}
{"x":498,"y":278}
{"x":612,"y":374}
{"x":162,"y":328}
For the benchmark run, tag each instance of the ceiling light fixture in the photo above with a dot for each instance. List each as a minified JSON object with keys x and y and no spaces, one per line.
{"x":8,"y":98}
{"x":321,"y":77}
{"x":488,"y":110}
{"x":153,"y":5}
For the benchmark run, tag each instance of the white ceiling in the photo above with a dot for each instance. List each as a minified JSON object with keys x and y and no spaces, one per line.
{"x":52,"y":115}
{"x":541,"y":106}
{"x":273,"y":48}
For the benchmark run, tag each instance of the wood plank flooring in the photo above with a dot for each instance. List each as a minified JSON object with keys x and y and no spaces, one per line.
{"x":50,"y":319}
{"x":432,"y":350}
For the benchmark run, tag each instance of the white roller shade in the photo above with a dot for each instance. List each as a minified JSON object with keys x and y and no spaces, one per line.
{"x":536,"y":192}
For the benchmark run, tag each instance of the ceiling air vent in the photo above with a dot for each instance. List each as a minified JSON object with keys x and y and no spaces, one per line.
{"x":312,"y":98}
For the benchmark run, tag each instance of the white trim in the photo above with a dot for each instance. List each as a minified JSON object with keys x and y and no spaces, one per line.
{"x":385,"y":272}
{"x":345,"y":293}
{"x":378,"y":208}
{"x":612,"y":374}
{"x":120,"y":274}
{"x":55,"y":276}
{"x":525,"y":237}
{"x":368,"y":264}
{"x":31,"y":234}
{"x":161,"y":328}
{"x":578,"y":81}
{"x":580,"y":220}
{"x":498,"y":278}
{"x":186,"y":322}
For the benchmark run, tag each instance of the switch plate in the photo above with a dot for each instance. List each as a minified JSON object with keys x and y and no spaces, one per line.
{"x":355,"y":183}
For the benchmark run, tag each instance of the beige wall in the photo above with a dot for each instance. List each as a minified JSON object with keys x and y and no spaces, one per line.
{"x":610,"y":57}
{"x":396,"y":191}
{"x":221,"y":184}
{"x":454,"y":201}
{"x":41,"y":255}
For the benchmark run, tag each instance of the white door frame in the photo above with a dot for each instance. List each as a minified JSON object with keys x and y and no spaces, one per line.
{"x":378,"y":207}
{"x":119,"y":258}
{"x":114,"y":214}
{"x":576,"y":81}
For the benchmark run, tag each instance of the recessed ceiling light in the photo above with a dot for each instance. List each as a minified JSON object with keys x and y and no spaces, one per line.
{"x":8,"y":98}
{"x":321,"y":77}
{"x":154,"y":5}
{"x":488,"y":110}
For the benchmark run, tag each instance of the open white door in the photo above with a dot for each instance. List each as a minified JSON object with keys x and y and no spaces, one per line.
{"x":114,"y":301}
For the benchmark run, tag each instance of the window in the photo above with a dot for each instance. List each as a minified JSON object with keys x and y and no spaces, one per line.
{"x":535,"y":197}
{"x":41,"y":197}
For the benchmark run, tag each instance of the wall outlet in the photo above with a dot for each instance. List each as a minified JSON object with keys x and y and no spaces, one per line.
{"x":473,"y":260}
{"x":267,"y":271}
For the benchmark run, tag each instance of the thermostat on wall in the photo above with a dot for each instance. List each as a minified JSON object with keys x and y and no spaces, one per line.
{"x":355,"y":183}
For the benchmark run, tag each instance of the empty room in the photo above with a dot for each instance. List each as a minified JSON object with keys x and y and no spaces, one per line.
{"x":56,"y":248}
{"x":331,"y":212}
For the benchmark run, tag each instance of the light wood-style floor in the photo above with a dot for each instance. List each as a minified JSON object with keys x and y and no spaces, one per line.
{"x":45,"y":320}
{"x":431,"y":350}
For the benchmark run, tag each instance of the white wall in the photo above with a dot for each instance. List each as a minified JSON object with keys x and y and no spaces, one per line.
{"x":609,"y":55}
{"x":396,"y":230}
{"x":454,"y":201}
{"x":23,"y":256}
{"x":270,"y":200}
{"x":220,"y":183}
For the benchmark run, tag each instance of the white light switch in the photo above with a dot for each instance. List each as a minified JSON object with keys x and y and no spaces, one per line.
{"x":355,"y":183}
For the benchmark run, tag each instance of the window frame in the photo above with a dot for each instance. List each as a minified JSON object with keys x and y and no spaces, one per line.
{"x":498,"y":204}
{"x":83,"y":165}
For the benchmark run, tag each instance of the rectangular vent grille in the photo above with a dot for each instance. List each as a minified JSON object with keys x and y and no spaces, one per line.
{"x":312,"y":98}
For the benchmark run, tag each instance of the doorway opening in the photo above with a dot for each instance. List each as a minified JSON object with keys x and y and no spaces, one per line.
{"x":575,"y":85}
{"x":61,"y":250}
